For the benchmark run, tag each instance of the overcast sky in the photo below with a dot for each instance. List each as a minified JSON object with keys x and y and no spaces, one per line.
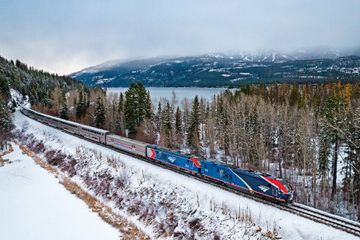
{"x":66,"y":36}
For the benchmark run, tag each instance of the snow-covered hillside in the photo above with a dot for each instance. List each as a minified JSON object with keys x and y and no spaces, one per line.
{"x":223,"y":70}
{"x":163,"y":203}
{"x":33,"y":205}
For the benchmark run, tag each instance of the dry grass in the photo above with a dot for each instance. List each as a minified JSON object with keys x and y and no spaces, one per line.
{"x":128,"y":230}
{"x":3,"y":161}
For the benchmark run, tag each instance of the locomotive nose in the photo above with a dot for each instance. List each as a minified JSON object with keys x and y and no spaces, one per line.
{"x":290,"y":197}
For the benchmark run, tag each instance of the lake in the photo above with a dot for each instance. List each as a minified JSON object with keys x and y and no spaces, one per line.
{"x":158,"y":93}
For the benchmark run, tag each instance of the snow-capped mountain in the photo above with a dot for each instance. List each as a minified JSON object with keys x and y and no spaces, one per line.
{"x":230,"y":69}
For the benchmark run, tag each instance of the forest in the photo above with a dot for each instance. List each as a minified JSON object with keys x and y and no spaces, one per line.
{"x":28,"y":81}
{"x":308,"y":134}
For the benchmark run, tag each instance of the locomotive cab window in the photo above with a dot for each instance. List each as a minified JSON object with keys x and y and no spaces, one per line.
{"x":224,"y":174}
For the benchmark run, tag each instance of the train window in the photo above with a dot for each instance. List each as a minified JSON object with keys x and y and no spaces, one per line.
{"x":224,"y":174}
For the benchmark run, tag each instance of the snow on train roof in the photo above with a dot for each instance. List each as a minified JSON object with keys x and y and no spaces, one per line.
{"x":69,"y":122}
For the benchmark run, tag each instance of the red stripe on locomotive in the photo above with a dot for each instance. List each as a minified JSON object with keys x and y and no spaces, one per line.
{"x":277,"y":183}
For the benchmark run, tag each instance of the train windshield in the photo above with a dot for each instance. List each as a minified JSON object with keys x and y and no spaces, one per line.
{"x":286,"y":185}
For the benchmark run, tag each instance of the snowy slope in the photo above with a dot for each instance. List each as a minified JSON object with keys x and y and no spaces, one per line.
{"x":33,"y":205}
{"x":188,"y":192}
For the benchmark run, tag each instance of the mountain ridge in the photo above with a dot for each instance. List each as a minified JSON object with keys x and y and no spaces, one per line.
{"x":225,"y":70}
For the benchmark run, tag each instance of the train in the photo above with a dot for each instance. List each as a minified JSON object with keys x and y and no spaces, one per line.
{"x":256,"y":183}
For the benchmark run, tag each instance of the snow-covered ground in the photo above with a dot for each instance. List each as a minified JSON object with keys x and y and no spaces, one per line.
{"x":188,"y":192}
{"x":33,"y":205}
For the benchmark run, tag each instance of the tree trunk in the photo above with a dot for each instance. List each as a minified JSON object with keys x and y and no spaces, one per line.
{"x":280,"y":169}
{"x":334,"y":168}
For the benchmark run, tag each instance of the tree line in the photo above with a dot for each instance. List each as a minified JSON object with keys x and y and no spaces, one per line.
{"x":308,"y":133}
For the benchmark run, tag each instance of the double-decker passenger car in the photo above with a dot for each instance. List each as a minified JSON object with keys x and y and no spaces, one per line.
{"x":95,"y":134}
{"x":126,"y":144}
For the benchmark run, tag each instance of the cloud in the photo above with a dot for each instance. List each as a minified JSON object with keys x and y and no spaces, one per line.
{"x":65,"y":36}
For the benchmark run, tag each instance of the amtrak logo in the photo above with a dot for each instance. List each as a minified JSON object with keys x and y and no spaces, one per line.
{"x":263,"y":188}
{"x":171,"y":159}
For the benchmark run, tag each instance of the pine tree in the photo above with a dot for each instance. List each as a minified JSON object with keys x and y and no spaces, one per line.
{"x":5,"y":122}
{"x":167,"y":126}
{"x":193,"y":136}
{"x":64,"y":113}
{"x":120,"y":115}
{"x":99,"y":113}
{"x":158,"y":117}
{"x":294,"y":95}
{"x":178,"y":128}
{"x":141,"y":98}
{"x":137,"y":106}
{"x":148,"y":108}
{"x":130,"y":109}
{"x":4,"y":87}
{"x":80,"y":106}
{"x":332,"y":121}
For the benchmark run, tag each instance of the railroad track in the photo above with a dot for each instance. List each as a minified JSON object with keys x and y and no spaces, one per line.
{"x":326,"y":218}
{"x":314,"y":214}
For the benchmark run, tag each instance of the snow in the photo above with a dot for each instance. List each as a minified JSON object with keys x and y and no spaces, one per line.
{"x":226,"y":75}
{"x":236,"y":79}
{"x":17,"y":98}
{"x":288,"y":225}
{"x":33,"y":205}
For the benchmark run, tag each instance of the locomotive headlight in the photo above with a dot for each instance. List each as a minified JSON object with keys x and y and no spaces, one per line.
{"x":291,"y":197}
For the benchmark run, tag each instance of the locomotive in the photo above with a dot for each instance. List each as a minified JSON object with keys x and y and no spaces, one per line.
{"x":260,"y":184}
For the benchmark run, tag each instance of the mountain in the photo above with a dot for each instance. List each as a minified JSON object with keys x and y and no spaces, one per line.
{"x":36,"y":84}
{"x":226,"y":70}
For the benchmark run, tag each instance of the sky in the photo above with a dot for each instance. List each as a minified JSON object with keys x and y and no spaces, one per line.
{"x":68,"y":35}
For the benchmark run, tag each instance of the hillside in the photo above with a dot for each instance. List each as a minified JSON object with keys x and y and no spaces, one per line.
{"x":220,"y":70}
{"x":162,"y":203}
{"x":36,"y":84}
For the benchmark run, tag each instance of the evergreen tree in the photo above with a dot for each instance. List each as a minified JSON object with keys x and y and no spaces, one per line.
{"x":141,"y":98}
{"x":148,"y":108}
{"x":178,"y":121}
{"x":295,"y":95}
{"x":158,"y":117}
{"x":178,"y":126}
{"x":167,"y":129}
{"x":120,"y":115}
{"x":137,"y":106}
{"x":130,"y":109}
{"x":5,"y":122}
{"x":80,"y":106}
{"x":4,"y":87}
{"x":64,"y":113}
{"x":194,"y":126}
{"x":99,"y":113}
{"x":331,"y":122}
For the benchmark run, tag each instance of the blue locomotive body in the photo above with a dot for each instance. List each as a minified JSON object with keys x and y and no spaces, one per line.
{"x":261,"y":184}
{"x":178,"y":160}
{"x":222,"y":173}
